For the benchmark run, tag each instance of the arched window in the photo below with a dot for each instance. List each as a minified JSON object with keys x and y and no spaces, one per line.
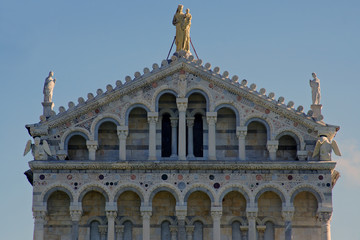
{"x":165,"y":231}
{"x":198,"y":136}
{"x":256,"y":140}
{"x":287,"y":148}
{"x":94,"y":230}
{"x":198,"y":230}
{"x":128,"y":230}
{"x":77,"y":149}
{"x":269,"y":231}
{"x":166,"y":136}
{"x":235,"y":230}
{"x":137,"y":142}
{"x":108,"y":141}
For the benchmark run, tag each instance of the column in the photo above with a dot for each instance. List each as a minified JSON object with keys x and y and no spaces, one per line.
{"x":92,"y":147}
{"x":152,"y":119}
{"x":181,"y":212}
{"x":288,"y":215}
{"x":241,"y":135}
{"x":216,"y":213}
{"x":272,"y":146}
{"x":173,"y":231}
{"x":244,"y":232}
{"x":211,"y":118}
{"x":190,"y":125}
{"x":251,"y":216}
{"x":122,"y":132}
{"x":102,"y":231}
{"x":119,"y":232}
{"x":111,"y":215}
{"x":146,"y":212}
{"x":325,"y":218}
{"x":261,"y":231}
{"x":39,"y":218}
{"x":75,"y":213}
{"x":174,"y":124}
{"x":189,"y":232}
{"x":182,"y":105}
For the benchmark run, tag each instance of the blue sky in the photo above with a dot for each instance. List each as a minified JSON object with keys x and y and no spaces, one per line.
{"x":89,"y":44}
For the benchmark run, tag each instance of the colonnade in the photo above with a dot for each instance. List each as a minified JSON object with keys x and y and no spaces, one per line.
{"x":181,"y":231}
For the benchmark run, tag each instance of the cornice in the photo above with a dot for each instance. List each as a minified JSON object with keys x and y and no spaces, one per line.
{"x":180,"y":165}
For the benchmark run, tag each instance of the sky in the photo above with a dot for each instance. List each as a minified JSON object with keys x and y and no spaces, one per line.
{"x":89,"y":44}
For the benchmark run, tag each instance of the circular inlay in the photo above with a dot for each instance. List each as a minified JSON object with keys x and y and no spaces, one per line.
{"x":42,"y":177}
{"x":290,"y":177}
{"x":211,"y":177}
{"x":101,"y":177}
{"x":133,"y":177}
{"x":75,"y":183}
{"x":258,"y":177}
{"x":180,"y":177}
{"x":328,"y":184}
{"x":69,"y":177}
{"x":164,"y":177}
{"x":321,"y":177}
{"x":216,"y":185}
{"x":267,"y":111}
{"x":181,"y":185}
{"x":227,"y":177}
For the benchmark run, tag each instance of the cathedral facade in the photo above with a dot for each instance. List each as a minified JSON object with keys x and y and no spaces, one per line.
{"x":181,"y":152}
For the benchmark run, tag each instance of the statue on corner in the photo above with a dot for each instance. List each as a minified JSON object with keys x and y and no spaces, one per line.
{"x":315,"y":90}
{"x":324,"y":147}
{"x":182,"y":22}
{"x":49,"y":87}
{"x":39,"y":151}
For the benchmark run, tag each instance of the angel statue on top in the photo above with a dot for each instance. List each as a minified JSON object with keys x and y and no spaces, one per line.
{"x":324,"y":146}
{"x":39,"y":151}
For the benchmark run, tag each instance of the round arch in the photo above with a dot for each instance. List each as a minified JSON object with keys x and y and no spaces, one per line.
{"x":159,"y":94}
{"x":72,"y":132}
{"x":166,"y":189}
{"x":234,"y":109}
{"x":263,"y":121}
{"x":55,"y":188}
{"x":296,"y":136}
{"x":237,"y":219}
{"x":203,"y":93}
{"x":199,"y":188}
{"x":271,"y":188}
{"x":95,"y":188}
{"x":129,"y":188}
{"x":95,"y":127}
{"x":124,"y":219}
{"x":241,"y":190}
{"x":131,"y":107}
{"x":313,"y":191}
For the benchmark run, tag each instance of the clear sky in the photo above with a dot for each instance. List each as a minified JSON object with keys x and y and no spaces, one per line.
{"x":89,"y":44}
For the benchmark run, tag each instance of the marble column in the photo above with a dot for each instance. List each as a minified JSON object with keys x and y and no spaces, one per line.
{"x":103,"y":231}
{"x":244,"y":232}
{"x":146,"y":212}
{"x":174,"y":124}
{"x":261,"y":232}
{"x":122,"y":132}
{"x":181,"y":212}
{"x":173,"y":231}
{"x":152,"y":119}
{"x":241,"y":135}
{"x":182,"y":105}
{"x":216,"y":214}
{"x":288,"y":215}
{"x":111,"y":215}
{"x":325,"y":218}
{"x":75,"y":213}
{"x":251,"y":216}
{"x":190,"y":125}
{"x":92,"y":147}
{"x":119,"y":232}
{"x":272,"y":146}
{"x":211,"y":118}
{"x":189,"y":232}
{"x":39,"y":218}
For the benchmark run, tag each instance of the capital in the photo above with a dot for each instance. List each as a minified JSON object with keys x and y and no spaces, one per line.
{"x":122,"y":132}
{"x":272,"y":145}
{"x":189,"y":229}
{"x":92,"y":145}
{"x":111,"y":214}
{"x":174,"y":122}
{"x":324,"y":217}
{"x":211,"y":117}
{"x":190,"y":121}
{"x":173,"y":229}
{"x":119,"y":228}
{"x":103,"y":229}
{"x":241,"y":132}
{"x":182,"y":104}
{"x":75,"y":215}
{"x":152,"y":117}
{"x":39,"y":214}
{"x":287,"y":215}
{"x":251,"y":215}
{"x":216,"y":215}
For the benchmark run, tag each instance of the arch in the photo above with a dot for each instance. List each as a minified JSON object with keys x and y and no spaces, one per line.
{"x":131,"y":107}
{"x":166,"y":188}
{"x":169,"y":111}
{"x":269,"y":219}
{"x":101,"y":220}
{"x":235,"y":188}
{"x":307,"y":188}
{"x":271,"y":188}
{"x":129,"y":188}
{"x":195,"y":219}
{"x":226,"y":105}
{"x":72,"y":132}
{"x":237,"y":219}
{"x":159,"y":94}
{"x":263,"y":121}
{"x":93,"y":187}
{"x":203,"y":93}
{"x":57,"y":187}
{"x":124,"y":219}
{"x":171,"y":220}
{"x":294,"y":134}
{"x":201,"y":188}
{"x":100,"y":120}
{"x":197,"y":111}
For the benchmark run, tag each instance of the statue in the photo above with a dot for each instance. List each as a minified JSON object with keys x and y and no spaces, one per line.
{"x":39,"y":151}
{"x":49,"y":87}
{"x":324,"y":147}
{"x":182,"y":22}
{"x":185,"y":26}
{"x":315,"y":89}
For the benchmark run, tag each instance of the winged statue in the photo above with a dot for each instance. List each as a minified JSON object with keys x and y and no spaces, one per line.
{"x":324,"y":147}
{"x":39,"y":151}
